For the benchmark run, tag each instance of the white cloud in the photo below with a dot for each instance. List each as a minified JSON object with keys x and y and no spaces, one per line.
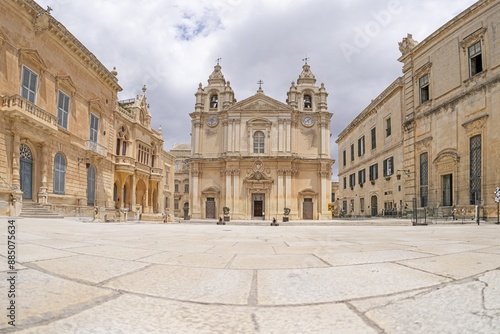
{"x":172,"y":46}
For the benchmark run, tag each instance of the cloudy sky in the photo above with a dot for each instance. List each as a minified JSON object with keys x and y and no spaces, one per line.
{"x":172,"y":45}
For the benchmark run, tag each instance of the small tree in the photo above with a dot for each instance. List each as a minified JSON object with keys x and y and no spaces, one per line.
{"x":226,"y":213}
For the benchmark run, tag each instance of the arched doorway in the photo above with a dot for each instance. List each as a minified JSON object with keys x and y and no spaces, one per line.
{"x":26,"y":171}
{"x":91,"y":185}
{"x":140,"y":195}
{"x":373,"y":205}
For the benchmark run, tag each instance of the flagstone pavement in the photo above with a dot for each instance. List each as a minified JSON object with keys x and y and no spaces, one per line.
{"x":76,"y":276}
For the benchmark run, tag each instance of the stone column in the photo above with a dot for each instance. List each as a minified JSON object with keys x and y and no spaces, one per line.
{"x":42,"y":192}
{"x":231,"y":138}
{"x":196,"y":137}
{"x":133,"y":198}
{"x":236,"y":197}
{"x":228,"y":190}
{"x":281,"y":205}
{"x":195,"y":195}
{"x":16,"y":178}
{"x":288,"y":186}
{"x":288,"y":141}
{"x":226,"y":136}
{"x":280,"y":135}
{"x":146,"y":204}
{"x":237,"y":138}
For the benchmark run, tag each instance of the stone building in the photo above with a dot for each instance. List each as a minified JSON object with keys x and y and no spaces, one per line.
{"x":448,"y":155}
{"x":370,"y":157}
{"x":181,"y":152}
{"x":65,"y":141}
{"x":259,"y":156}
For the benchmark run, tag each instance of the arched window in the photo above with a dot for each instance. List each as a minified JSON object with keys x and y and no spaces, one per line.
{"x":258,"y":142}
{"x":214,"y":101}
{"x":121,"y":141}
{"x":59,"y":174}
{"x":307,"y":102}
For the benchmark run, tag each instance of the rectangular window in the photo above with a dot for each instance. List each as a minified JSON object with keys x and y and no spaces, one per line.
{"x":29,"y":84}
{"x":374,"y":138}
{"x":143,"y":154}
{"x":62,"y":109}
{"x":186,"y":188}
{"x":361,"y":176}
{"x":176,"y":187}
{"x":362,"y":205}
{"x":424,"y":179}
{"x":389,"y":166}
{"x":388,"y":129}
{"x":475,"y":59}
{"x":352,"y":180}
{"x":176,"y":204}
{"x":361,"y":146}
{"x":424,"y":88}
{"x":475,"y":170}
{"x":373,"y":172}
{"x":344,"y":157}
{"x":345,"y":183}
{"x":352,"y":152}
{"x":94,"y":127}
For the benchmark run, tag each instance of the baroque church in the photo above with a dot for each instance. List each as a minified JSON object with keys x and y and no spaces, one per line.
{"x":260,"y":157}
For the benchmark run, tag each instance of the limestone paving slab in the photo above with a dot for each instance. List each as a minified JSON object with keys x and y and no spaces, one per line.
{"x":117,"y":252}
{"x":456,"y":265}
{"x":326,"y":318}
{"x":456,"y":308}
{"x":450,"y":248}
{"x":190,"y":259}
{"x":318,"y":285}
{"x":41,"y":296}
{"x":220,"y":286}
{"x":491,"y":292}
{"x":141,"y":314}
{"x":257,"y":261}
{"x":344,"y":258}
{"x":27,"y":252}
{"x":243,"y":249}
{"x":93,"y":269}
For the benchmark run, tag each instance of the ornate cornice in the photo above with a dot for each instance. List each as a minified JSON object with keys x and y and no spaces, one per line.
{"x":43,"y":22}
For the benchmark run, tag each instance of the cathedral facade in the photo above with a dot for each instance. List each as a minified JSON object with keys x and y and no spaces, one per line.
{"x":260,"y":157}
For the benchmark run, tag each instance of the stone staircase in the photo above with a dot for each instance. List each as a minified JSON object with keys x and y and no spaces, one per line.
{"x":36,"y":210}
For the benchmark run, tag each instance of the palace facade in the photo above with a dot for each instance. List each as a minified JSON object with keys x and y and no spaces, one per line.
{"x":431,"y":139}
{"x":66,"y":142}
{"x":258,"y":156}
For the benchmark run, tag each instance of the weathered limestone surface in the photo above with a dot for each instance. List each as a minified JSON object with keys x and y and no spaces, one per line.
{"x":76,"y":277}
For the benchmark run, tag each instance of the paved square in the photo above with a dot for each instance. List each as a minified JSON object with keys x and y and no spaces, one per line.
{"x":76,"y":276}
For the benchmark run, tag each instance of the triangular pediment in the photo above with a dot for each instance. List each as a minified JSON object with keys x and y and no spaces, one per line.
{"x":32,"y":56}
{"x":260,"y":102}
{"x":66,"y":82}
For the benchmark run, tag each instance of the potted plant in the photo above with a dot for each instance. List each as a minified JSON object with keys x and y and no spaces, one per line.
{"x":285,"y":214}
{"x":225,"y":210}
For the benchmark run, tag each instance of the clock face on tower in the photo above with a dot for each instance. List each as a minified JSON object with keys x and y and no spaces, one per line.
{"x":308,"y":120}
{"x":212,"y":120}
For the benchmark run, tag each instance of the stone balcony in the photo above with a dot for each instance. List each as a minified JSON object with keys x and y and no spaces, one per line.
{"x":124,"y":164}
{"x":18,"y":106}
{"x":96,"y":149}
{"x":156,"y":173}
